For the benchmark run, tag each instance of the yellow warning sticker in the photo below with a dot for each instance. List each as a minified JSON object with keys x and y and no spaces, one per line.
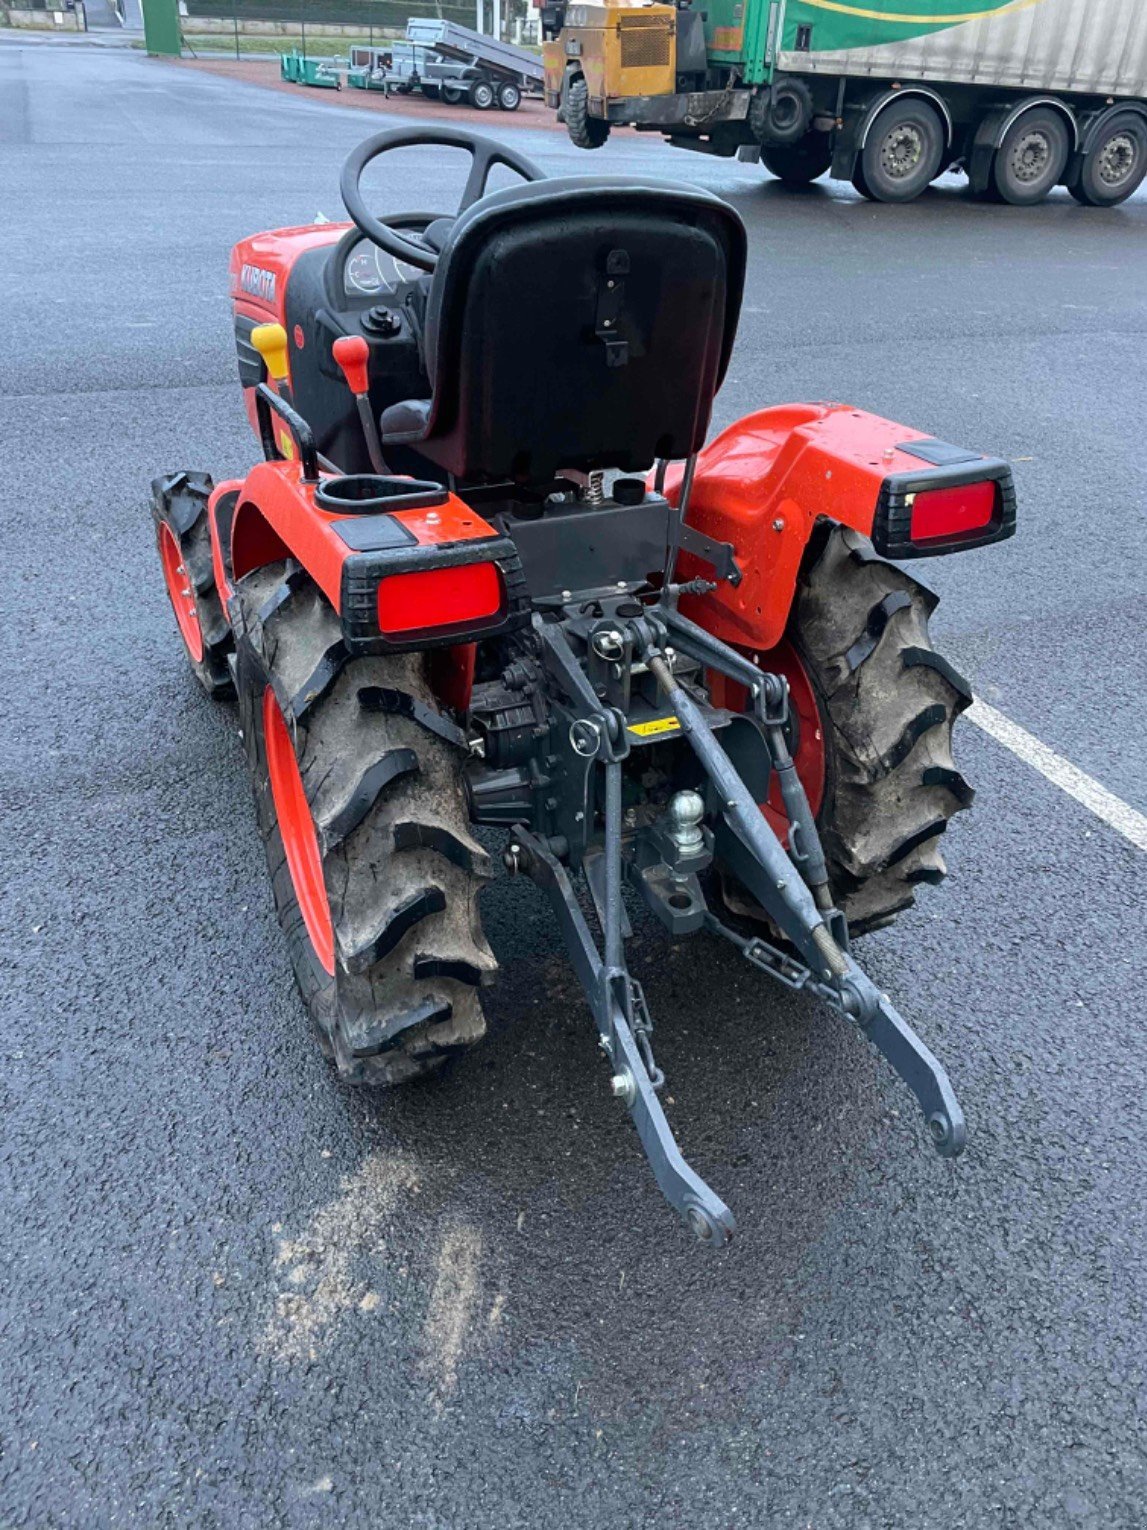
{"x":658,"y":725}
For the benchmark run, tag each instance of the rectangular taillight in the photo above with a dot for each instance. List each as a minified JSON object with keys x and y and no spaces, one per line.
{"x":435,"y":598}
{"x":949,"y":506}
{"x":953,"y":513}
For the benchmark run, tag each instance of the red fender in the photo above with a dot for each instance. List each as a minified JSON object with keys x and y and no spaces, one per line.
{"x":276,"y":517}
{"x":762,"y":484}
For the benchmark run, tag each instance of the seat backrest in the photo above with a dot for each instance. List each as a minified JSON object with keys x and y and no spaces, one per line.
{"x":582,"y":322}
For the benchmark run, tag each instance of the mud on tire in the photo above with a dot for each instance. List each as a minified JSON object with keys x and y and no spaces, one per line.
{"x":888,"y":701}
{"x":398,"y":993}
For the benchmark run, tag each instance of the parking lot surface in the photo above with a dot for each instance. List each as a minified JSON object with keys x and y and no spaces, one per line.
{"x":234,"y":1293}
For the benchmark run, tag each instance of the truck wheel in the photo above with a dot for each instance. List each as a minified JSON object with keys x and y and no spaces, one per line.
{"x":452,"y":95}
{"x":1032,"y":158}
{"x":585,"y":132}
{"x":1116,"y":165}
{"x":481,"y":95}
{"x":875,"y":705}
{"x":509,"y":96}
{"x":431,"y":92}
{"x":183,"y":538}
{"x":362,"y":810}
{"x":798,"y":164}
{"x":903,"y":152}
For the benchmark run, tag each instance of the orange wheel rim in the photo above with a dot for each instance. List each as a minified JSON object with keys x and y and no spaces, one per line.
{"x":297,"y":830}
{"x":180,"y":592}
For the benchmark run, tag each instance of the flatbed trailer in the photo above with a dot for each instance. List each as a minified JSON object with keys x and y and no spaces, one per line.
{"x":470,"y":66}
{"x":1022,"y":95}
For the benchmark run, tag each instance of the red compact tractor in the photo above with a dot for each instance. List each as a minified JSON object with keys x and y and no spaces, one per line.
{"x":489,"y":575}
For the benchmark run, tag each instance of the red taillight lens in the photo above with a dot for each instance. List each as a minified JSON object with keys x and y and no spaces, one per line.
{"x":439,"y":597}
{"x":941,"y":515}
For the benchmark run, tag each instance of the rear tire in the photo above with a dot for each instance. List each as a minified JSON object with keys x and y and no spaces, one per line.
{"x":903,"y":153}
{"x":888,"y":702}
{"x":585,"y":132}
{"x":374,"y":870}
{"x":509,"y":97}
{"x":1116,"y":166}
{"x":183,"y":538}
{"x":798,"y":164}
{"x":1032,"y":158}
{"x":452,"y":95}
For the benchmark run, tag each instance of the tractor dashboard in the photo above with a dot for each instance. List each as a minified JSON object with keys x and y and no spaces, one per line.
{"x":319,"y":283}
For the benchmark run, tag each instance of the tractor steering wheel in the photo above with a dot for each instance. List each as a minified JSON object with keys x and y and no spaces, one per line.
{"x":484,"y":154}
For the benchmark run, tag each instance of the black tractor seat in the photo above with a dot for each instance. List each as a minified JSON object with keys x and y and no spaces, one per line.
{"x":581,"y":322}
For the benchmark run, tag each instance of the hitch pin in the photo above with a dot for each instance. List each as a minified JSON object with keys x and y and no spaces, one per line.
{"x":353,"y":356}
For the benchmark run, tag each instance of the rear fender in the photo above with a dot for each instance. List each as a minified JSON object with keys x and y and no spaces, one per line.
{"x":276,"y":516}
{"x":764,"y":483}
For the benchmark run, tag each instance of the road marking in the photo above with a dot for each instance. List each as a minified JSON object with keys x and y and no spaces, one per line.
{"x":1060,"y":772}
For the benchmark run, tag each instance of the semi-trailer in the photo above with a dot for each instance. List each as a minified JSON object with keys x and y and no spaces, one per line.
{"x":1022,"y":95}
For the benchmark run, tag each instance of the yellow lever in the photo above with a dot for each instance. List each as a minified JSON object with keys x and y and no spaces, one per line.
{"x":270,"y":340}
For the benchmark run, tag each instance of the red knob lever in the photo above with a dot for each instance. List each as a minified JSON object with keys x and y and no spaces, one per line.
{"x":353,"y":355}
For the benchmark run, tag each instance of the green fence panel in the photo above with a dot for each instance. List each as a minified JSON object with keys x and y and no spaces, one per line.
{"x":161,"y":33}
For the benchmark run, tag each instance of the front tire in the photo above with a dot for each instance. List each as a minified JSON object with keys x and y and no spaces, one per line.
{"x":481,"y":95}
{"x":585,"y":132}
{"x":183,"y":540}
{"x":362,"y":809}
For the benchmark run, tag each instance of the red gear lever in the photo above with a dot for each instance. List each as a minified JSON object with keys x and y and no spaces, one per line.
{"x":353,"y":356}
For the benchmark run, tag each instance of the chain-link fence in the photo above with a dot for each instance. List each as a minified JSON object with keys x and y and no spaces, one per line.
{"x":391,"y":14}
{"x":326,"y":27}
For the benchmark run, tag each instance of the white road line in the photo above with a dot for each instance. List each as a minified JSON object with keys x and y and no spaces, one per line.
{"x":1060,"y":772}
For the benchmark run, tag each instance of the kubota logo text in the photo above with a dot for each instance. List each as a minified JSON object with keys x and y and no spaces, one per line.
{"x":258,"y":283}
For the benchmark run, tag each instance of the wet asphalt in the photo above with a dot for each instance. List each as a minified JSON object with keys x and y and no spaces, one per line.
{"x":234,"y":1293}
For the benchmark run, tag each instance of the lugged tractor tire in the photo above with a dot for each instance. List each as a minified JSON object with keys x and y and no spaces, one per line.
{"x":371,"y":830}
{"x":183,"y":539}
{"x":585,"y":132}
{"x":888,"y":702}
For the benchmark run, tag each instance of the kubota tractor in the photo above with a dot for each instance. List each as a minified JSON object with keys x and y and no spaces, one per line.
{"x":488,"y":574}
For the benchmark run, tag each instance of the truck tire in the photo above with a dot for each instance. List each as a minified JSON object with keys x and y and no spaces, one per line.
{"x":888,"y":702}
{"x":585,"y":132}
{"x":1114,"y":168}
{"x":362,"y":809}
{"x":509,"y":96}
{"x":798,"y":164}
{"x":452,"y":95}
{"x":902,"y":153}
{"x":431,"y":92}
{"x":481,"y":95}
{"x":780,"y":114}
{"x":1032,"y":158}
{"x":183,"y":540}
